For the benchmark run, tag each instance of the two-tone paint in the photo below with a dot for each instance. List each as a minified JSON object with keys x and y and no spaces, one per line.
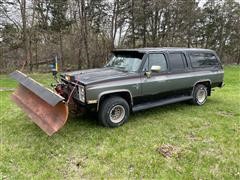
{"x":137,"y":86}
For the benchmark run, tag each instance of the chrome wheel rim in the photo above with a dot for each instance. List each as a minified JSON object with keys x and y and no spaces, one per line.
{"x":117,"y":113}
{"x":201,"y":95}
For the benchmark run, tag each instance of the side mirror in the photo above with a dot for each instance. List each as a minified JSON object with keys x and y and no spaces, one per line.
{"x":153,"y":69}
{"x":148,"y":74}
{"x":156,"y":68}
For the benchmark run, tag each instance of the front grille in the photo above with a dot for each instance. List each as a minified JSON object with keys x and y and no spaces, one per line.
{"x":68,"y":87}
{"x":75,"y":92}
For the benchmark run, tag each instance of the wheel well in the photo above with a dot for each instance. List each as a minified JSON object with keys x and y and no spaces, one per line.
{"x":124,"y":95}
{"x":207,"y":84}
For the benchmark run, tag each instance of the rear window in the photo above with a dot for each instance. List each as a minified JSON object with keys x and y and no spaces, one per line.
{"x":201,"y":60}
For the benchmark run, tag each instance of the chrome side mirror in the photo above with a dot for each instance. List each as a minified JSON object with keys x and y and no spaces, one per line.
{"x":156,"y":68}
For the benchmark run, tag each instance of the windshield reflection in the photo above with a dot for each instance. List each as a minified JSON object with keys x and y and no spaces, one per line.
{"x":125,"y":62}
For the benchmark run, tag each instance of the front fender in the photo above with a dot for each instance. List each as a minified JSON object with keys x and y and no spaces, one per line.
{"x":116,"y":91}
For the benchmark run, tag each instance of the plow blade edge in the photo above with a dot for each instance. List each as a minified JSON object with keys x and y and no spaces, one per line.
{"x":45,"y":107}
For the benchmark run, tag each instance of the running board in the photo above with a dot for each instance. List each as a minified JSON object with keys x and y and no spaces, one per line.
{"x":160,"y":103}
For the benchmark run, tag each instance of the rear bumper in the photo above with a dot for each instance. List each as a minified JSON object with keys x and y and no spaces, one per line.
{"x":217,"y":84}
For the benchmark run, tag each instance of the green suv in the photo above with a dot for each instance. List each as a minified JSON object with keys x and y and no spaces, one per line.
{"x":138,"y":79}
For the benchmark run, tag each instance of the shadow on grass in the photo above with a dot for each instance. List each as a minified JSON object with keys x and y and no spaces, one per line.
{"x":90,"y":120}
{"x":87,"y":125}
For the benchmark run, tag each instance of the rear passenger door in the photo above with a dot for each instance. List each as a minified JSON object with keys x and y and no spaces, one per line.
{"x":178,"y":78}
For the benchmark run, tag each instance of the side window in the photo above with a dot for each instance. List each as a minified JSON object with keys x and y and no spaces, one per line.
{"x":157,"y":60}
{"x":211,"y":59}
{"x":200,"y":60}
{"x":176,"y":61}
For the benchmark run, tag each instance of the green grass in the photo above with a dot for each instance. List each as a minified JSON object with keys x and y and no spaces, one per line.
{"x":207,"y":139}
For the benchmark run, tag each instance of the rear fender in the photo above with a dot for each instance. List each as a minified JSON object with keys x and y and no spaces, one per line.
{"x":206,"y":82}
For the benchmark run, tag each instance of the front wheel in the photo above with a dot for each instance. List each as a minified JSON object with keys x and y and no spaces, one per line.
{"x":113,"y":112}
{"x":199,"y":94}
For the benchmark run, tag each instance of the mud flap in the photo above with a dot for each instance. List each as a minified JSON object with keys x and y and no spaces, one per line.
{"x":44,"y":107}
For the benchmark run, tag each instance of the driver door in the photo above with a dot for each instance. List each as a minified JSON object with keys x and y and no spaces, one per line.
{"x":156,"y":84}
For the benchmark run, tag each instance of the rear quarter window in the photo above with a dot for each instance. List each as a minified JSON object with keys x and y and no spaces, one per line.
{"x":203,"y":60}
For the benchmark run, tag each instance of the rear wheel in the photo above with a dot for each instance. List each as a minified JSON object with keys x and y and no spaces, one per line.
{"x":200,"y":94}
{"x":113,"y":112}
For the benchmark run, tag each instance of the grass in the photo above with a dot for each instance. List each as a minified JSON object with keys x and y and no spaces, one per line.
{"x":206,"y":139}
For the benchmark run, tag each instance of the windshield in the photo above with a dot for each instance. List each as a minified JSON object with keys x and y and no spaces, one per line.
{"x":126,"y":62}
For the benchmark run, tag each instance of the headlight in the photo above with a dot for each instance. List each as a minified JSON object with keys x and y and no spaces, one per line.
{"x":81,"y":92}
{"x":67,"y":78}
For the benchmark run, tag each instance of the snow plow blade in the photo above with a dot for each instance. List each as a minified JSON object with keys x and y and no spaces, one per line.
{"x":44,"y":107}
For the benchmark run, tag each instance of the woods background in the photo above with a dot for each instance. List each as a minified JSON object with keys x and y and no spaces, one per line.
{"x":83,"y":32}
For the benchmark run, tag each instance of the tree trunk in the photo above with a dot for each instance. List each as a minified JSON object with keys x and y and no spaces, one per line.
{"x":24,"y":31}
{"x":30,"y":55}
{"x":155,"y":27}
{"x":85,"y":34}
{"x":238,"y":57}
{"x":144,"y":24}
{"x":79,"y":58}
{"x":113,"y":23}
{"x":61,"y":51}
{"x":133,"y":26}
{"x":120,"y":35}
{"x":36,"y":52}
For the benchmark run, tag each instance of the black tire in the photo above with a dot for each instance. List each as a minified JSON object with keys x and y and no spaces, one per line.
{"x":200,"y":93}
{"x":109,"y":107}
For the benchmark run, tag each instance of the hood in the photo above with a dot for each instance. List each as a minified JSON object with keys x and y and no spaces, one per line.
{"x":97,"y":75}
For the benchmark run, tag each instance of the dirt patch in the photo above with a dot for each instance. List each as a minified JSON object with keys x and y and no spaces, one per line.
{"x":168,"y":150}
{"x":225,"y":114}
{"x":74,"y":166}
{"x":191,"y":136}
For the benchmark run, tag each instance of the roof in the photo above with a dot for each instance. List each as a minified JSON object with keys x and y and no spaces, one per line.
{"x":157,"y":49}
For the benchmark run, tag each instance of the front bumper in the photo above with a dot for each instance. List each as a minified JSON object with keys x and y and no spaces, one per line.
{"x":67,"y":87}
